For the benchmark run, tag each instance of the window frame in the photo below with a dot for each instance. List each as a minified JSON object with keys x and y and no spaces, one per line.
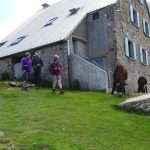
{"x":18,"y":40}
{"x":74,"y":11}
{"x":3,"y":43}
{"x":50,"y":21}
{"x":95,"y":16}
{"x":141,"y":1}
{"x":135,"y":21}
{"x":145,"y":29}
{"x":144,"y":62}
{"x":128,"y":53}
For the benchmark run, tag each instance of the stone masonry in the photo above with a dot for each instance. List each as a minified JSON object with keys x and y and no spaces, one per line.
{"x":125,"y":27}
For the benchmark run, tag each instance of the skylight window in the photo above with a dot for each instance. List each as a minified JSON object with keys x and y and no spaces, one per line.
{"x":73,"y":11}
{"x":18,"y":40}
{"x":1,"y":44}
{"x":50,"y":22}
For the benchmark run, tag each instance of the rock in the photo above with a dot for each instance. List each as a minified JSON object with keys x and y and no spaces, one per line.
{"x":141,"y":103}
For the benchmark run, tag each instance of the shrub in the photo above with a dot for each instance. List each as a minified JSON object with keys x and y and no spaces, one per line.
{"x":5,"y":76}
{"x":75,"y":85}
{"x":46,"y":83}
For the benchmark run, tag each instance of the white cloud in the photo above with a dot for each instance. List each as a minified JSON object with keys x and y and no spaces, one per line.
{"x":23,"y":9}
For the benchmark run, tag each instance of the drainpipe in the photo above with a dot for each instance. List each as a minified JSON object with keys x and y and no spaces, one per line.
{"x":69,"y":63}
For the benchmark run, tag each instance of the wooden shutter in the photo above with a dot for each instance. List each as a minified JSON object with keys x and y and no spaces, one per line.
{"x":141,"y":54}
{"x":147,"y":57}
{"x":134,"y":49}
{"x":126,"y":47}
{"x":144,"y":28}
{"x":149,"y":30}
{"x":131,"y":13}
{"x":138,"y":19}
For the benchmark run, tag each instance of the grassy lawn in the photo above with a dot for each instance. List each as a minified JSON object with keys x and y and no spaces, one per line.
{"x":38,"y":120}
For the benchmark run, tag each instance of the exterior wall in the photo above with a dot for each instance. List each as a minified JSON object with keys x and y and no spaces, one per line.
{"x":124,"y":27}
{"x":101,"y":36}
{"x":81,"y":30}
{"x":47,"y":56}
{"x":89,"y":75}
{"x":6,"y":66}
{"x":80,"y":36}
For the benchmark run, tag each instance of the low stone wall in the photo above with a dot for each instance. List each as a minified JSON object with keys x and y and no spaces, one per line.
{"x":6,"y":66}
{"x":89,"y":75}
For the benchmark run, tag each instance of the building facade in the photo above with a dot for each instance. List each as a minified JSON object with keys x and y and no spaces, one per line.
{"x":115,"y":33}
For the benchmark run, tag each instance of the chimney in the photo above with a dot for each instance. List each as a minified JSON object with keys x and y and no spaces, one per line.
{"x":45,"y":5}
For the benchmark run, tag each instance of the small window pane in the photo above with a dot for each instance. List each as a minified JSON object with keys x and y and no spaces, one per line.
{"x":135,"y":17}
{"x":1,"y":44}
{"x":96,"y":16}
{"x":146,"y":28}
{"x":144,"y":56}
{"x":18,"y":40}
{"x":131,"y":50}
{"x":50,"y":22}
{"x":73,"y":11}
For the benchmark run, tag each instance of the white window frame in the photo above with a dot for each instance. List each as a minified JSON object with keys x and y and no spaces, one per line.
{"x":135,"y":21}
{"x":144,"y":27}
{"x":146,"y":62}
{"x":128,"y":50}
{"x":141,"y":1}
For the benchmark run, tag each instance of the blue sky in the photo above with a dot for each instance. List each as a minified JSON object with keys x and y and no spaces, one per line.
{"x":14,"y":12}
{"x":6,"y":7}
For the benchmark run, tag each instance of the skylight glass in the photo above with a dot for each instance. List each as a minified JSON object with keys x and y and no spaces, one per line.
{"x":1,"y":44}
{"x":74,"y":11}
{"x":50,"y":22}
{"x":18,"y":40}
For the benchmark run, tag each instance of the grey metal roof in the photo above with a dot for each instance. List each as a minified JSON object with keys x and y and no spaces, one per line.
{"x":37,"y":35}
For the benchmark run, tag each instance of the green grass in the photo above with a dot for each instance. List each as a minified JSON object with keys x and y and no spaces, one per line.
{"x":38,"y":120}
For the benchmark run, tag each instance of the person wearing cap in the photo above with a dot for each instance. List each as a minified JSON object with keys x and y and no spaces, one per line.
{"x":26,"y":65}
{"x":37,"y":64}
{"x":56,"y":71}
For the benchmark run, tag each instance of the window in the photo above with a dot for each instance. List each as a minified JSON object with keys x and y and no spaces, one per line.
{"x":134,"y":16}
{"x":50,"y":22}
{"x":75,"y":46}
{"x":1,"y":44}
{"x":141,"y":1}
{"x":143,"y":56}
{"x":73,"y":11}
{"x":96,"y":16}
{"x":130,"y":49}
{"x":18,"y":40}
{"x":146,"y":27}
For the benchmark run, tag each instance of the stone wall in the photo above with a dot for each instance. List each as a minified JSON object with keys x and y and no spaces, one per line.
{"x":124,"y":27}
{"x":47,"y":54}
{"x":89,"y":75}
{"x":101,"y":36}
{"x":6,"y":66}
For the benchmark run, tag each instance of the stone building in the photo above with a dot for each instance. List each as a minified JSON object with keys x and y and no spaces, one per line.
{"x":90,"y":37}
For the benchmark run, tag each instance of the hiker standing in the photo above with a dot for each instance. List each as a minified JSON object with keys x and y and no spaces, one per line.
{"x":37,"y":64}
{"x":56,"y":71}
{"x":26,"y":64}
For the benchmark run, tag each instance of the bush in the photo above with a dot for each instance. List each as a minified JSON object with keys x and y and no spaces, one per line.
{"x":46,"y":83}
{"x":75,"y":85}
{"x":5,"y":76}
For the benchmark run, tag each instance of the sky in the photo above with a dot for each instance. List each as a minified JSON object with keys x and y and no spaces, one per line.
{"x":13,"y":13}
